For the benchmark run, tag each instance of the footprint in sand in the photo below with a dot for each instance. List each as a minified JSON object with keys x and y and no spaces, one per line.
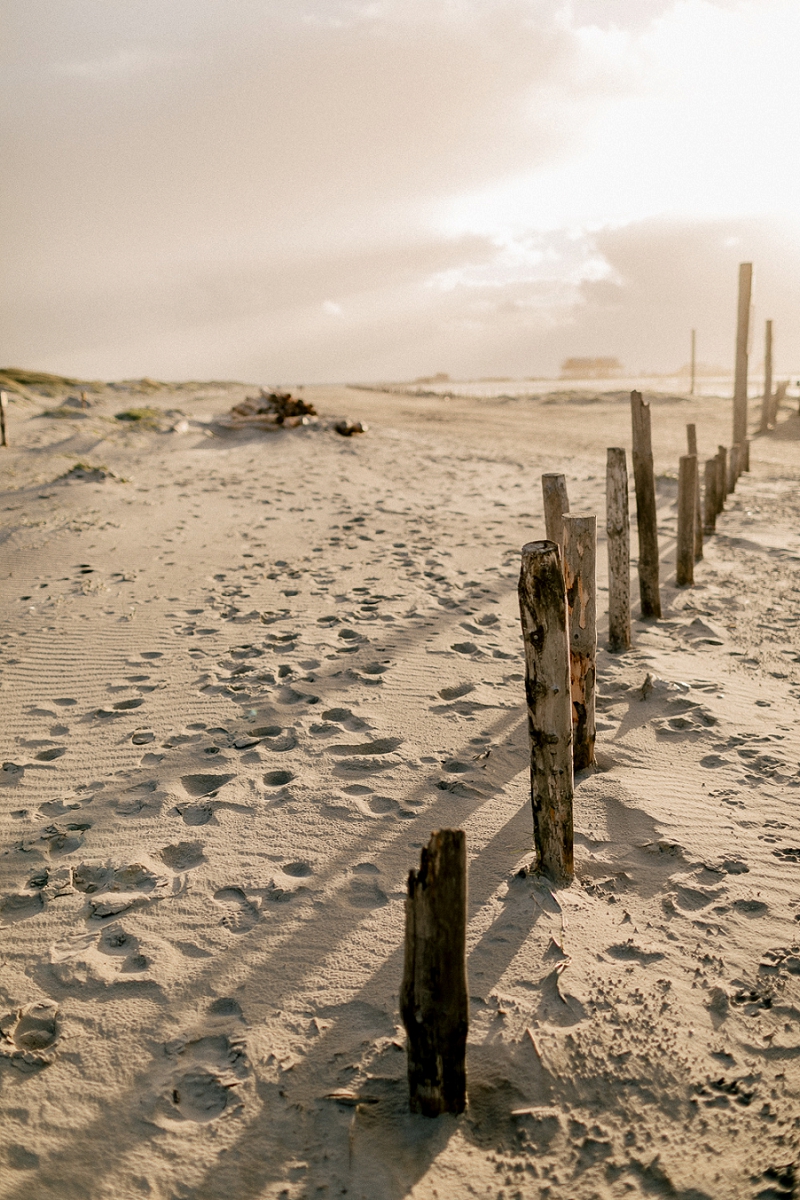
{"x":52,"y":754}
{"x":196,"y":814}
{"x":29,"y":1035}
{"x":240,"y":913}
{"x":276,"y":779}
{"x":182,"y":856}
{"x":364,"y":892}
{"x":368,"y":749}
{"x":113,"y":890}
{"x":275,"y":738}
{"x":18,"y":906}
{"x":124,"y":949}
{"x":204,"y":785}
{"x":207,"y":1071}
{"x":343,"y":716}
{"x":751,"y":908}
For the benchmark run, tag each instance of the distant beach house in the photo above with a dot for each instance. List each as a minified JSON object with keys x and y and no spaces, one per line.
{"x":590,"y":368}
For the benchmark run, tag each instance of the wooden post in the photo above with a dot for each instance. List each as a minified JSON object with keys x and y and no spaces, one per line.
{"x":556,"y":503}
{"x":618,"y":529}
{"x":645,"y":484}
{"x":733,"y":468}
{"x":687,"y":496}
{"x":433,"y":997}
{"x":766,"y":402}
{"x":3,"y":406}
{"x":580,"y":556}
{"x":742,"y":338}
{"x":711,"y":501}
{"x":691,"y":438}
{"x":693,"y":364}
{"x":543,"y":612}
{"x":744,"y":456}
{"x":722,"y":479}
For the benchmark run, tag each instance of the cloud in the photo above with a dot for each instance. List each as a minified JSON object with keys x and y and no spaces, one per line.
{"x":483,"y":185}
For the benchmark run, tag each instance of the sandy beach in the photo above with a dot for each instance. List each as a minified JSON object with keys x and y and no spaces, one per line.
{"x":245,"y":674}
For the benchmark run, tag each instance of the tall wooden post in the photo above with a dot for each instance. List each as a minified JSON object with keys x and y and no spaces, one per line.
{"x":618,"y":529}
{"x":766,"y":402}
{"x":710,"y":497}
{"x":645,"y":484}
{"x":722,"y":479}
{"x":693,"y":363}
{"x":687,"y":494}
{"x":3,"y":406}
{"x":691,"y":438}
{"x":543,"y":612}
{"x":433,"y":997}
{"x":556,"y":503}
{"x":580,"y":555}
{"x":742,"y":339}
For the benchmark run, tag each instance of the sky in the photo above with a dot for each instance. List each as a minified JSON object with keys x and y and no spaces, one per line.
{"x":360,"y":190}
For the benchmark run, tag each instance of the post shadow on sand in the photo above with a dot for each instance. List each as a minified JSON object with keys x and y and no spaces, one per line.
{"x":388,"y":1150}
{"x":317,"y":937}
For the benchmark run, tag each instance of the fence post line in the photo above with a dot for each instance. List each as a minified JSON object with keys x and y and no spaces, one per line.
{"x":710,"y":497}
{"x":742,"y":338}
{"x":618,"y":530}
{"x":684,"y":556}
{"x":766,"y":402}
{"x":645,"y":485}
{"x":543,"y":613}
{"x":556,"y":503}
{"x":580,"y":569}
{"x":434,"y":1003}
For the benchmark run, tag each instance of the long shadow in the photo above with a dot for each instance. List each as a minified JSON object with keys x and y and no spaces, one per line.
{"x":309,"y":944}
{"x":272,"y":1139}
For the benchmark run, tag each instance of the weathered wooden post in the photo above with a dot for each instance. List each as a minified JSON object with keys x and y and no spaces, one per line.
{"x":645,"y":484}
{"x":543,"y":612}
{"x":766,"y":401}
{"x":580,"y":558}
{"x":618,"y":529}
{"x":722,"y":478}
{"x":556,"y":503}
{"x":693,"y":364}
{"x":687,"y":497}
{"x":433,"y":997}
{"x":691,"y":438}
{"x":742,"y":339}
{"x":733,"y":467}
{"x":744,"y":456}
{"x":710,"y":498}
{"x":3,"y":405}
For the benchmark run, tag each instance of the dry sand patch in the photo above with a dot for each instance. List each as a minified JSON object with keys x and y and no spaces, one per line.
{"x":245,"y":675}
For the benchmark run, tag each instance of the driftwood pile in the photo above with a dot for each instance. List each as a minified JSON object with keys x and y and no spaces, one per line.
{"x":270,"y":410}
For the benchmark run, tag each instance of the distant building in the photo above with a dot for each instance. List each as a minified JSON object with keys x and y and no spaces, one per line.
{"x":440,"y":377}
{"x":590,"y":368}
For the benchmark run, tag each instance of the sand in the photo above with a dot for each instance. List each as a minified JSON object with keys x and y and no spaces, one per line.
{"x":245,"y":675}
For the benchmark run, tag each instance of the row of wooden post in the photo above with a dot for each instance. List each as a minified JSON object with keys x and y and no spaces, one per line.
{"x":558,"y":614}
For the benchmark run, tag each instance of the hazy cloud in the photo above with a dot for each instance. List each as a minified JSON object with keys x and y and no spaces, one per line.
{"x":335,"y":189}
